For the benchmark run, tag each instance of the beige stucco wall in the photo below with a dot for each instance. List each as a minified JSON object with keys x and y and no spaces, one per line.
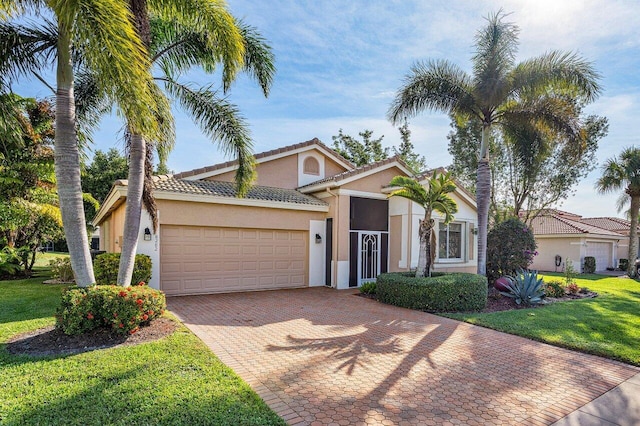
{"x":209,"y":214}
{"x":395,"y":243}
{"x":549,"y":247}
{"x":331,"y":167}
{"x":375,"y":182}
{"x":280,"y":173}
{"x":115,"y":227}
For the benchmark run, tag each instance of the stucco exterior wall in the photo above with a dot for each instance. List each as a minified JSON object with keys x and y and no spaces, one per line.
{"x":332,"y":168}
{"x":279,"y":173}
{"x":375,"y":182}
{"x":549,"y":247}
{"x":207,"y":214}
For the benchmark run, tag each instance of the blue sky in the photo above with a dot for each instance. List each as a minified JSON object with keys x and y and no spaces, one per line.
{"x":339,"y":64}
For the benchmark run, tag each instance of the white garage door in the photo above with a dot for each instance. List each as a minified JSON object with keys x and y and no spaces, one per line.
{"x":602,"y":253}
{"x":219,"y":260}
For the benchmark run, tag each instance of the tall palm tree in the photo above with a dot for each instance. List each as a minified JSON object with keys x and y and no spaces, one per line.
{"x":103,"y":31}
{"x":437,"y":198}
{"x":207,"y":36}
{"x":499,"y":92}
{"x":622,"y":173}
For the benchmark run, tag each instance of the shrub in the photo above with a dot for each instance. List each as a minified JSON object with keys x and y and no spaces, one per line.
{"x":106,"y":266}
{"x":122,"y":309}
{"x":61,"y":269}
{"x":9,"y":261}
{"x":510,"y":247}
{"x":589,"y":264}
{"x":525,"y":288}
{"x":624,"y":264}
{"x":573,"y":288}
{"x":554,"y":289}
{"x":569,"y":272}
{"x":368,"y":288}
{"x":438,"y":293}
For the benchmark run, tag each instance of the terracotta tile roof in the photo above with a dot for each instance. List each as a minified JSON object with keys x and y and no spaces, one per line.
{"x":356,"y":171}
{"x":556,"y":224}
{"x":227,"y":189}
{"x":314,"y":141}
{"x":610,"y":223}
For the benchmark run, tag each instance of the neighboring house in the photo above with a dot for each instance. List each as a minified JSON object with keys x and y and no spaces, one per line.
{"x":311,"y":219}
{"x":571,"y":236}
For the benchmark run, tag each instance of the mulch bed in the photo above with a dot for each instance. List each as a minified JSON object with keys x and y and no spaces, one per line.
{"x":50,"y":341}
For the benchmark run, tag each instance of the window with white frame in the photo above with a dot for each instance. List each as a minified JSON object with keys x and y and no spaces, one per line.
{"x":451,"y":241}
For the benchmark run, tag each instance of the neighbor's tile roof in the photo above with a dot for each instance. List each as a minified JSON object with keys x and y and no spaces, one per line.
{"x":227,"y":189}
{"x":555,"y":224}
{"x":610,"y":223}
{"x":314,"y":141}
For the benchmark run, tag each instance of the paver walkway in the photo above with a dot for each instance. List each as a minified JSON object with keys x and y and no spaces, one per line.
{"x":321,"y":356}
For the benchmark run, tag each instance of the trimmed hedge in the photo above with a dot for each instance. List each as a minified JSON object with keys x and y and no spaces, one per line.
{"x":454,"y":292}
{"x":105,"y":268}
{"x":589,"y":264}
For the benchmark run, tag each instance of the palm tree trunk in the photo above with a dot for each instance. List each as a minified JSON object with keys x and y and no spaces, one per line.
{"x":133,"y":211}
{"x":67,"y":165}
{"x":137,"y":157}
{"x":483,"y":198}
{"x":424,"y":255}
{"x":633,"y":235}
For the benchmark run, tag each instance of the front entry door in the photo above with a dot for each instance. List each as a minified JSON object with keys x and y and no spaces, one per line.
{"x":368,"y":256}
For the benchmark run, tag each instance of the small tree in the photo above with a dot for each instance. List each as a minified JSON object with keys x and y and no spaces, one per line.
{"x":405,"y":151}
{"x":358,"y":152}
{"x":510,"y":247}
{"x":435,"y":198}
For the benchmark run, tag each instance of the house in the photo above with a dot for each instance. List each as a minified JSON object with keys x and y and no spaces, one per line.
{"x":570,"y":236}
{"x":311,"y":219}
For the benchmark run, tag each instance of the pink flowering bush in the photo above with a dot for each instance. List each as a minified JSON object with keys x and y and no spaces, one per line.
{"x":121,"y":309}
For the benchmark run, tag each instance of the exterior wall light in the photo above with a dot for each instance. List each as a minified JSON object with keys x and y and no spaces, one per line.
{"x":147,"y":234}
{"x":318,"y":239}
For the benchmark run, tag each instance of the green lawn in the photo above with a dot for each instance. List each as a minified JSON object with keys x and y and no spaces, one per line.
{"x":175,"y":380}
{"x":42,"y":259}
{"x":608,"y":325}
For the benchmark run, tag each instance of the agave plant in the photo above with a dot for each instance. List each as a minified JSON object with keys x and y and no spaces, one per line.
{"x":525,"y":287}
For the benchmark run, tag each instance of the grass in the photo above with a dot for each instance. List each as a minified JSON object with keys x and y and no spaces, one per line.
{"x":42,"y":259}
{"x":175,"y":380}
{"x":608,"y":325}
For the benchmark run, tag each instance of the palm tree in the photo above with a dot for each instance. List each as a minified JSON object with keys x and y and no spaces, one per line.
{"x":499,"y":92}
{"x":623,"y":173}
{"x":207,"y":36}
{"x":103,"y":31}
{"x":435,"y":198}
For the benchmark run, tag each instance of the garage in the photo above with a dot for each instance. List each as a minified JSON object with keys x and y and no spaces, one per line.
{"x":601,"y":252}
{"x":201,"y":259}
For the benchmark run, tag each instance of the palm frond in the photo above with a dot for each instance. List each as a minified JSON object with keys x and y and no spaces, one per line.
{"x":259,"y":60}
{"x":433,"y":85}
{"x":559,"y":70}
{"x":105,"y":34}
{"x":496,"y":48}
{"x":211,"y":16}
{"x":222,"y":122}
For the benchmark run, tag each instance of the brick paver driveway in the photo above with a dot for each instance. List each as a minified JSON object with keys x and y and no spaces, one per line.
{"x":321,"y":356}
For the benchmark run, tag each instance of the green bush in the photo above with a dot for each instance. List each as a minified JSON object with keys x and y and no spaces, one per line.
{"x":589,"y":264}
{"x":122,"y":309}
{"x":105,"y":268}
{"x":368,"y":288}
{"x":510,"y":247}
{"x":9,"y":261}
{"x":624,"y":264}
{"x":440,"y":293}
{"x":61,"y":269}
{"x":554,"y":288}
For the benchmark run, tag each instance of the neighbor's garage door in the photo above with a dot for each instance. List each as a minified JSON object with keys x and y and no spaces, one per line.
{"x":217,"y":260}
{"x":602,"y":253}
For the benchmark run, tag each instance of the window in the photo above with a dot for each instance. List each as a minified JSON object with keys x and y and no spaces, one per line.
{"x":311,"y":166}
{"x":450,"y":241}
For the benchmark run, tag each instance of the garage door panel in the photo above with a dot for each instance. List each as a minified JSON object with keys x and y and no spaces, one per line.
{"x":212,"y":260}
